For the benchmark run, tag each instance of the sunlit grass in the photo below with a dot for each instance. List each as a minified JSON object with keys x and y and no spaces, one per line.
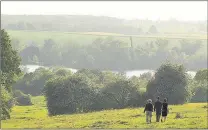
{"x":193,"y":115}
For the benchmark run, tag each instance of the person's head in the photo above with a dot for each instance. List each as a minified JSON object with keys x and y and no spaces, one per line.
{"x":165,"y":99}
{"x":158,"y":98}
{"x":149,"y":101}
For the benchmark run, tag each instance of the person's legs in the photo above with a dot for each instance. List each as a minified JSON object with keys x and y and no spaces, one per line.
{"x":150,"y":117}
{"x":147,"y":117}
{"x":157,"y":117}
{"x":164,"y":118}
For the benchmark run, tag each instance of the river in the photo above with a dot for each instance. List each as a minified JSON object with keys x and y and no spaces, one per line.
{"x":130,"y":73}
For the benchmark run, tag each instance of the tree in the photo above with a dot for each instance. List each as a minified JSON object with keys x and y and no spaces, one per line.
{"x":33,"y":83}
{"x":29,"y":54}
{"x":146,"y":76}
{"x":170,"y":82}
{"x":153,"y":29}
{"x":201,"y":75}
{"x":10,"y":63}
{"x":200,"y":91}
{"x":120,"y":94}
{"x":200,"y":86}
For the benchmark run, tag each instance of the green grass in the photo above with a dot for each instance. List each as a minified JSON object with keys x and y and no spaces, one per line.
{"x":194,"y":115}
{"x":59,"y":37}
{"x":63,"y":38}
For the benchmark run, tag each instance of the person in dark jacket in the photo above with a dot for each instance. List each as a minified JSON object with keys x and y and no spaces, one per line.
{"x":164,"y":110}
{"x":148,"y":109}
{"x":158,"y":109}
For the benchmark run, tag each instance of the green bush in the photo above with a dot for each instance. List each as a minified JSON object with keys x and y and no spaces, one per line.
{"x":22,"y":99}
{"x":68,"y":95}
{"x":81,"y":92}
{"x":33,"y":83}
{"x":5,"y":107}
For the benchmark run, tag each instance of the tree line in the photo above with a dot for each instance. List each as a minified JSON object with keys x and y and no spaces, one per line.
{"x":111,"y":54}
{"x":79,"y":23}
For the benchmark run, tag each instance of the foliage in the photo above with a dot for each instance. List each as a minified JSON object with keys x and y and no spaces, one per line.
{"x":68,"y":95}
{"x":22,"y":99}
{"x":201,"y":75}
{"x":120,"y":94}
{"x":33,"y":83}
{"x":5,"y":107}
{"x":101,"y":52}
{"x":170,"y":82}
{"x":89,"y":90}
{"x":10,"y":62}
{"x":199,"y":87}
{"x":146,"y":76}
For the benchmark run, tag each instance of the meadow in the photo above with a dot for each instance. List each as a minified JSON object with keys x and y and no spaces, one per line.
{"x":191,"y":115}
{"x":86,"y":38}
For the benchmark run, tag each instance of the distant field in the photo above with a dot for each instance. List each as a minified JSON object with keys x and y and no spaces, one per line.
{"x":194,"y":115}
{"x":84,"y":38}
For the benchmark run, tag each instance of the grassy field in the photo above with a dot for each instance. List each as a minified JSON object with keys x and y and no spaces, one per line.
{"x":194,"y":115}
{"x":85,"y":38}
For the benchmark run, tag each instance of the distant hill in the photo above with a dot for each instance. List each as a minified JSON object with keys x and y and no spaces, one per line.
{"x":86,"y":23}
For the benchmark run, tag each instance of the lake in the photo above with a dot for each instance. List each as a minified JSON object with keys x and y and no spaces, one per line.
{"x":130,"y":73}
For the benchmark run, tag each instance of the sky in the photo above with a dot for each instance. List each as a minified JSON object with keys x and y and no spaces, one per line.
{"x":157,"y":10}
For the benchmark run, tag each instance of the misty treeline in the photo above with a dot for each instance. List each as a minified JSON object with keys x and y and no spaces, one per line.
{"x":79,"y":23}
{"x":112,"y":54}
{"x":92,"y":90}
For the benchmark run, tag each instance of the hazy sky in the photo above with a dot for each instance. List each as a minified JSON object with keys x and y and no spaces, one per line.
{"x":186,"y":11}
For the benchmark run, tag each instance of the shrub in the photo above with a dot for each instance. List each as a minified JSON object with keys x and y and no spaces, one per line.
{"x":5,"y":107}
{"x":88,"y":90}
{"x":22,"y":99}
{"x":33,"y":83}
{"x":68,"y":95}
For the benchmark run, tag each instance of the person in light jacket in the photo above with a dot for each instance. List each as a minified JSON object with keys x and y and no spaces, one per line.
{"x":148,"y":109}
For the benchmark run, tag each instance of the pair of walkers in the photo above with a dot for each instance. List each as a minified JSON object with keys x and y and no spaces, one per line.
{"x":159,"y":108}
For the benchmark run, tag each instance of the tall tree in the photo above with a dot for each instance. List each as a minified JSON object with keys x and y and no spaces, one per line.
{"x":170,"y":82}
{"x":10,"y":62}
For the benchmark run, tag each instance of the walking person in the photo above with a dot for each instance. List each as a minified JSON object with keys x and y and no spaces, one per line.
{"x":158,"y":109}
{"x":148,"y":109}
{"x":164,"y":110}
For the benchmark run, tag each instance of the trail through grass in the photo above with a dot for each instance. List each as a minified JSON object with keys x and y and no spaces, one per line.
{"x":192,"y":115}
